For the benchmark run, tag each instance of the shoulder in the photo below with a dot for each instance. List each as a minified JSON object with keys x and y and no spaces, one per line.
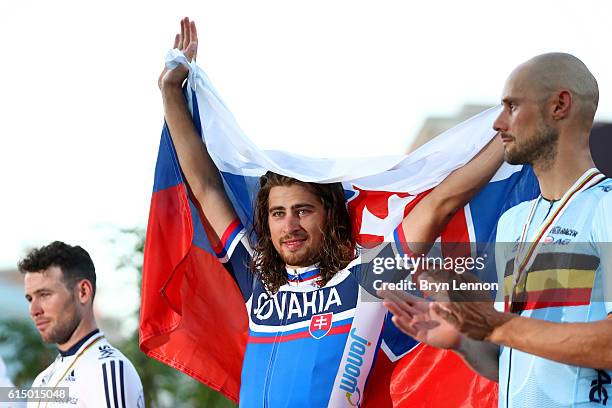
{"x":596,"y":201}
{"x":600,"y":200}
{"x":596,"y":195}
{"x":103,"y":357}
{"x":109,"y":375}
{"x":602,"y":193}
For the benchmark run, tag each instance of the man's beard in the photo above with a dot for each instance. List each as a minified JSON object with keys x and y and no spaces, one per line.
{"x":64,"y":329}
{"x":538,"y":150}
{"x":306,"y":258}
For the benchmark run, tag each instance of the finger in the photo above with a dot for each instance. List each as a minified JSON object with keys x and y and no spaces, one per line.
{"x":425,"y":325}
{"x":395,"y":309}
{"x":445,"y":314}
{"x":194,"y":31}
{"x":194,"y":38}
{"x":177,"y":40}
{"x":182,"y":44}
{"x":395,"y":298}
{"x":187,"y":33}
{"x":404,"y":326}
{"x":414,"y":311}
{"x":413,"y":304}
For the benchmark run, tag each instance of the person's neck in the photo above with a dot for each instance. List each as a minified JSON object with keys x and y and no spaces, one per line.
{"x":557,"y":176}
{"x":85,"y":327}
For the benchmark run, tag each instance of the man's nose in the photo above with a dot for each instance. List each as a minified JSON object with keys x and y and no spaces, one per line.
{"x":35,"y":308}
{"x":501,"y":123}
{"x":292,"y":223}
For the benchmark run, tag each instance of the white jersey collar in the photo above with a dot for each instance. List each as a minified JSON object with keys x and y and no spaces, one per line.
{"x":84,"y":342}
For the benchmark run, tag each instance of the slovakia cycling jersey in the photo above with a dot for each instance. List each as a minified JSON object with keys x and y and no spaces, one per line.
{"x":96,"y":375}
{"x":308,"y":346}
{"x":568,"y":281}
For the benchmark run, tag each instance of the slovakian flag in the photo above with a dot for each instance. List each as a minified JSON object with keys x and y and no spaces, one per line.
{"x":193,"y":316}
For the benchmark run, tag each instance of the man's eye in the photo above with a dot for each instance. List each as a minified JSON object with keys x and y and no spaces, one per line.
{"x":302,"y":212}
{"x":277,"y":213}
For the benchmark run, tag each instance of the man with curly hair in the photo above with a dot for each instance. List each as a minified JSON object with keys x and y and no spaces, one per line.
{"x":60,"y":286}
{"x":312,"y":336}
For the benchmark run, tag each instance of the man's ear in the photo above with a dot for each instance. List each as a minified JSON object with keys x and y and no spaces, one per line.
{"x":84,"y":291}
{"x":562,"y":104}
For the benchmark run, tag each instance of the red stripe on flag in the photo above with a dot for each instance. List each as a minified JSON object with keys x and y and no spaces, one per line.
{"x":455,"y":237}
{"x":207,"y":346}
{"x":430,"y":377}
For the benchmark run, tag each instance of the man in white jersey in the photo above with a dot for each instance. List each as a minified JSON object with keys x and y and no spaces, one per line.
{"x":60,"y":285}
{"x":550,"y":344}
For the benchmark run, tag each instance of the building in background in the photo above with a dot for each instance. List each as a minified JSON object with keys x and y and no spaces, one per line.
{"x":601,"y":135}
{"x":435,"y":125}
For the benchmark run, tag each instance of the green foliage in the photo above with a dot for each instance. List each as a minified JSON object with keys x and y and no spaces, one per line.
{"x":30,"y":352}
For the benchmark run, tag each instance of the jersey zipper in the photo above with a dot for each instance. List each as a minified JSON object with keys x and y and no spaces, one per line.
{"x":271,"y":362}
{"x":508,"y":382}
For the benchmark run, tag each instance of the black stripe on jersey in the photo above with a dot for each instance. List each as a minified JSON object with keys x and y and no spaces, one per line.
{"x":559,"y":260}
{"x":112,"y":364}
{"x":121,"y":383}
{"x":108,"y":404}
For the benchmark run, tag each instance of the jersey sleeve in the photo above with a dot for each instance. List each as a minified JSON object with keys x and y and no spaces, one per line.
{"x":398,"y":241}
{"x":115,"y":384}
{"x":234,"y":252}
{"x":602,"y":237}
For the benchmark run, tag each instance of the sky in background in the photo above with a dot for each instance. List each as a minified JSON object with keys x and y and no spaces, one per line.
{"x":81,"y":113}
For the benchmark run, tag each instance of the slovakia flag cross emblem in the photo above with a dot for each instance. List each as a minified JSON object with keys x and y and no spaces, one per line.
{"x":320,"y":325}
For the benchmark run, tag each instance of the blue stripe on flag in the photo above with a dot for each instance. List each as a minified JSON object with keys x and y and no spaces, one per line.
{"x":167,"y":170}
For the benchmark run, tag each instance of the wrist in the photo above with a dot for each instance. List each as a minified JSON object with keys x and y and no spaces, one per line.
{"x":463,"y":345}
{"x":499,"y":325}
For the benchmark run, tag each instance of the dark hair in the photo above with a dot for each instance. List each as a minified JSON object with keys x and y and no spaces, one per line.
{"x":74,"y":261}
{"x":338,"y":247}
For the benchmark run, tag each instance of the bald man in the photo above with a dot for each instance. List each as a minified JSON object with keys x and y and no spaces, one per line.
{"x":549,"y":341}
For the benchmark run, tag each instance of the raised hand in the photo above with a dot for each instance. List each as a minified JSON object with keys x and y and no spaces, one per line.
{"x":186,"y":42}
{"x":418,"y":318}
{"x":470,"y":311}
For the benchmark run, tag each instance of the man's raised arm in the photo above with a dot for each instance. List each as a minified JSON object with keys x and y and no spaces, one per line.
{"x":200,"y":171}
{"x":429,"y":217}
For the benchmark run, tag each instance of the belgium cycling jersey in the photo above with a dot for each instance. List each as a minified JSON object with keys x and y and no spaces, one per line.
{"x":307,"y":346}
{"x":568,"y":281}
{"x":96,"y":375}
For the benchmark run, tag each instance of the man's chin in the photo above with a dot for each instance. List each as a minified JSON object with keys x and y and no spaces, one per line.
{"x":298,"y":260}
{"x":511,"y":158}
{"x":46,"y":338}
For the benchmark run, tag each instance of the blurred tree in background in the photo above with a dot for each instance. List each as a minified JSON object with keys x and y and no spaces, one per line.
{"x":164,"y":386}
{"x":32,"y":355}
